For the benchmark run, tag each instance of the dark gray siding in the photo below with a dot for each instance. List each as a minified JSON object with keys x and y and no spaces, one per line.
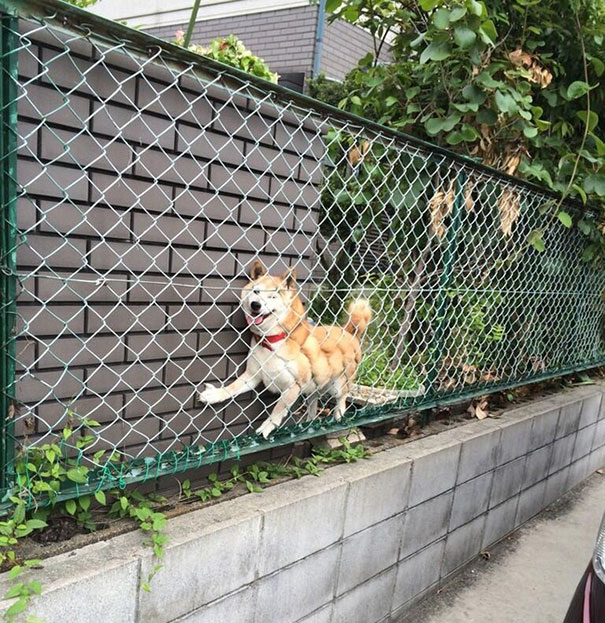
{"x":344,"y":45}
{"x":283,"y":38}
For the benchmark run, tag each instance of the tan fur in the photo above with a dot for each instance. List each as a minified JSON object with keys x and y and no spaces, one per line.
{"x":310,"y":360}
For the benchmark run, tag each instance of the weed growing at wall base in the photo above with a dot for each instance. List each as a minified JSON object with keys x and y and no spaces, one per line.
{"x":41,"y":474}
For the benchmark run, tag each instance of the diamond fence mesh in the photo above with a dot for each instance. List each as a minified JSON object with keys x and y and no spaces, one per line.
{"x":140,"y":183}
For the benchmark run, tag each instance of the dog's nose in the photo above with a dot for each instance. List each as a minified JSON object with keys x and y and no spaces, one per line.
{"x":255,"y":306}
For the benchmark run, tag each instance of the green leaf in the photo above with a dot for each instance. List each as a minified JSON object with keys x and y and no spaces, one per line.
{"x":35,"y":524}
{"x":488,"y":32}
{"x":476,"y":8}
{"x":505,"y":102}
{"x":356,"y":100}
{"x":19,"y":514}
{"x":434,"y":125}
{"x":77,"y":474}
{"x":577,"y":89}
{"x":32,"y":562}
{"x":18,"y":607}
{"x":35,"y":587}
{"x":429,"y":5}
{"x":14,"y":591}
{"x":597,"y":65}
{"x":469,"y":133}
{"x":593,"y":118}
{"x":457,"y":13}
{"x":15,"y":572}
{"x":473,"y":94}
{"x":464,"y":36}
{"x":454,"y":138}
{"x":564,"y":218}
{"x":391,"y":101}
{"x":435,"y":52}
{"x":530,"y":131}
{"x":70,"y":507}
{"x":84,"y":502}
{"x":535,"y":239}
{"x":487,"y":116}
{"x":441,"y":19}
{"x":124,"y":502}
{"x":100,"y":497}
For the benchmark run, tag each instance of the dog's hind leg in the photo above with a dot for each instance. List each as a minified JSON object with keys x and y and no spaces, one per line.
{"x":312,"y":405}
{"x":341,"y":406}
{"x":286,"y":400}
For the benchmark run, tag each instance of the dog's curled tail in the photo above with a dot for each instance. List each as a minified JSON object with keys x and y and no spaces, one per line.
{"x":360,"y":314}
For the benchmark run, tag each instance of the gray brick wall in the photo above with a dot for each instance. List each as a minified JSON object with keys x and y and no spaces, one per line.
{"x":285,"y":39}
{"x":142,"y":200}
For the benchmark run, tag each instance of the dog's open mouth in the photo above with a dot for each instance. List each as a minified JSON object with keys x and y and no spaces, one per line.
{"x":256,"y":319}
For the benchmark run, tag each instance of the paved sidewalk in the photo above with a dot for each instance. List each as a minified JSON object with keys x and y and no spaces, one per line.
{"x":531,"y":576}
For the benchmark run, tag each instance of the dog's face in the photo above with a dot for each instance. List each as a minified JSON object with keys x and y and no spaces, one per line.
{"x":267,"y":300}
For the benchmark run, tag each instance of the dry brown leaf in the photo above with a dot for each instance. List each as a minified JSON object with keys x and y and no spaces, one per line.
{"x":354,"y":156}
{"x":393,"y":432}
{"x":478,"y":408}
{"x":468,"y":196}
{"x":511,"y":163}
{"x":508,"y":207}
{"x":520,"y":58}
{"x":537,"y":74}
{"x":601,"y":471}
{"x":357,"y":154}
{"x":449,"y":383}
{"x":440,"y":207}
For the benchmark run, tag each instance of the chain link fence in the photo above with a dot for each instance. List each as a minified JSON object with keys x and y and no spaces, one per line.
{"x":140,"y":184}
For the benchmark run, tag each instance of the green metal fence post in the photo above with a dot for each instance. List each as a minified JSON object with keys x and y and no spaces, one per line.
{"x":449,"y":260}
{"x":8,"y":240}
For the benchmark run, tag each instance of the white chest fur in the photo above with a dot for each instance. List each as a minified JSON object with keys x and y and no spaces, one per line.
{"x":278,"y":374}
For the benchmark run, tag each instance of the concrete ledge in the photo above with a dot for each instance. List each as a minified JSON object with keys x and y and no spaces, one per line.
{"x":357,"y":545}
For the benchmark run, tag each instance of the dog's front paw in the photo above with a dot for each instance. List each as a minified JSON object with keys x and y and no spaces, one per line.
{"x":266,"y":428}
{"x":211,"y":395}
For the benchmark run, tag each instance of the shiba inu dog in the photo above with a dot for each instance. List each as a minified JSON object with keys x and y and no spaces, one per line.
{"x":288,"y":354}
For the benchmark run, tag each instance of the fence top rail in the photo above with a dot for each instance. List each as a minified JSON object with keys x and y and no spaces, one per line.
{"x":100,"y":28}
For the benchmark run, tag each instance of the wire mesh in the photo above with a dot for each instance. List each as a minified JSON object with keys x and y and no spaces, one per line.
{"x":149,"y":183}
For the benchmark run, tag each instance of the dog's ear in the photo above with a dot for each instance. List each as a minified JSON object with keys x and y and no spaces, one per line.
{"x":257,"y":270}
{"x":289,"y":278}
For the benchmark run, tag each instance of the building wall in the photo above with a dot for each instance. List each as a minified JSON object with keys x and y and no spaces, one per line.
{"x":344,"y":45}
{"x":285,"y":39}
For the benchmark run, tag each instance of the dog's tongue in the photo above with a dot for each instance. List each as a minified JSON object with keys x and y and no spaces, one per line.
{"x":254,"y":319}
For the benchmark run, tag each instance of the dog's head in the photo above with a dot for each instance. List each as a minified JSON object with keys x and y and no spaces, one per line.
{"x":267,"y":300}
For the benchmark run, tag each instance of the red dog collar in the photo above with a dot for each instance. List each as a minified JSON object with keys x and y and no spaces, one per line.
{"x":270,"y":339}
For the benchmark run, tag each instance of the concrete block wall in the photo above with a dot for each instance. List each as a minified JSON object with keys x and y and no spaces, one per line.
{"x":359,"y":544}
{"x":145,"y":191}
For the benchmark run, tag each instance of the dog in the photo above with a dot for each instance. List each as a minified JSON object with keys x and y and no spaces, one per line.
{"x":288,"y":354}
